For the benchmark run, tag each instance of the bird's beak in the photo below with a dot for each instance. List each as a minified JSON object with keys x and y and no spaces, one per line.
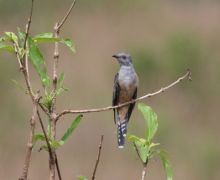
{"x":115,"y":56}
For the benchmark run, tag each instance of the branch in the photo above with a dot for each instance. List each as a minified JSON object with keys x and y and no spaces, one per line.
{"x":66,"y":16}
{"x":34,"y":98}
{"x":24,"y":66}
{"x":98,"y":157}
{"x":52,"y":111}
{"x":163,"y":89}
{"x":58,"y":167}
{"x":30,"y":140}
{"x":52,"y":158}
{"x":57,"y":28}
{"x":28,"y":25}
{"x":143,"y":173}
{"x":45,"y":135}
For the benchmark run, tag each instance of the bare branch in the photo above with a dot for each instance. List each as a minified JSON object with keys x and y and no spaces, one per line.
{"x":57,"y":28}
{"x":58,"y":167}
{"x":98,"y":158}
{"x":55,"y":66}
{"x":45,"y":134}
{"x":163,"y":89}
{"x":34,"y":98}
{"x":66,"y":16}
{"x":143,"y":173}
{"x":28,"y":25}
{"x":52,"y":111}
{"x":30,"y":140}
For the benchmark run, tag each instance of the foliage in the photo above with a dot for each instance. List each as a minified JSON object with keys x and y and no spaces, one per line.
{"x":145,"y":147}
{"x":55,"y":144}
{"x":15,"y":44}
{"x":82,"y":178}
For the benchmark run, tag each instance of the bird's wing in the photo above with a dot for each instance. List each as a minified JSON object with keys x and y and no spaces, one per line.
{"x":131,"y":106}
{"x":116,"y":91}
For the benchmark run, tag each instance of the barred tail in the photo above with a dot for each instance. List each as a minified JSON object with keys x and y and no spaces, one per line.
{"x":122,"y":131}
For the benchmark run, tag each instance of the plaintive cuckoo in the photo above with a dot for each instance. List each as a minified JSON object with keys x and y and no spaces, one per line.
{"x":124,"y":90}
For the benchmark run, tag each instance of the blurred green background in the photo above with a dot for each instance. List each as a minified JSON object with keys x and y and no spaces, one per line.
{"x":164,"y":37}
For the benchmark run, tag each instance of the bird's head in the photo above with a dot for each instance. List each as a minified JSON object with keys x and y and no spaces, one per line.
{"x":123,"y":59}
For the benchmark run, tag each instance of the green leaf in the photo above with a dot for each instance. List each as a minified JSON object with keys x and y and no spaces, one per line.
{"x":2,"y":39}
{"x":166,"y":165}
{"x":152,"y":145}
{"x":49,"y":133}
{"x":45,"y":37}
{"x":37,"y":60}
{"x":12,"y":36}
{"x":143,"y":150}
{"x":142,"y":147}
{"x":21,"y":35}
{"x":48,"y":99}
{"x":38,"y":137}
{"x":69,"y":44}
{"x":60,"y":81}
{"x":134,"y":138}
{"x":82,"y":178}
{"x":55,"y":144}
{"x":151,"y":120}
{"x":70,"y":130}
{"x":6,"y":47}
{"x":48,"y":37}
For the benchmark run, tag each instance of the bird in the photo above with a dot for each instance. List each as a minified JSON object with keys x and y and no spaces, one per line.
{"x":124,"y":90}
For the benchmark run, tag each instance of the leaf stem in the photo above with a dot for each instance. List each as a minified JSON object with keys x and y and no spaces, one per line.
{"x":98,"y":157}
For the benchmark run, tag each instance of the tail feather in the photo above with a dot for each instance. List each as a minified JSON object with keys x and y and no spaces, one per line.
{"x":122,"y":131}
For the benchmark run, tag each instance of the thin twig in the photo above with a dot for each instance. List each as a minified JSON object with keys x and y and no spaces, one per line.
{"x":24,"y":69}
{"x":66,"y":16}
{"x":45,"y":135}
{"x":53,"y":159}
{"x":58,"y":167}
{"x":50,"y":150}
{"x":52,"y":111}
{"x":187,"y":75}
{"x":98,"y":157}
{"x":28,"y":24}
{"x":143,"y":173}
{"x":30,"y":140}
{"x":57,"y":29}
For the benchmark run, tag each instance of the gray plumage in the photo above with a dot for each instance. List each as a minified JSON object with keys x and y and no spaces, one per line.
{"x":125,"y":89}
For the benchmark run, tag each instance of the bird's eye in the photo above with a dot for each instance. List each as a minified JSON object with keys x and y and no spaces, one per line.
{"x":123,"y":57}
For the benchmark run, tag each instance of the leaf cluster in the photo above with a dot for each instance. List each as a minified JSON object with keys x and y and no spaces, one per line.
{"x":145,"y":147}
{"x":55,"y":144}
{"x":14,"y":43}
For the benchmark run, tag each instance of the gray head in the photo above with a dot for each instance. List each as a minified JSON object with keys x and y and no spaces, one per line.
{"x":123,"y":59}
